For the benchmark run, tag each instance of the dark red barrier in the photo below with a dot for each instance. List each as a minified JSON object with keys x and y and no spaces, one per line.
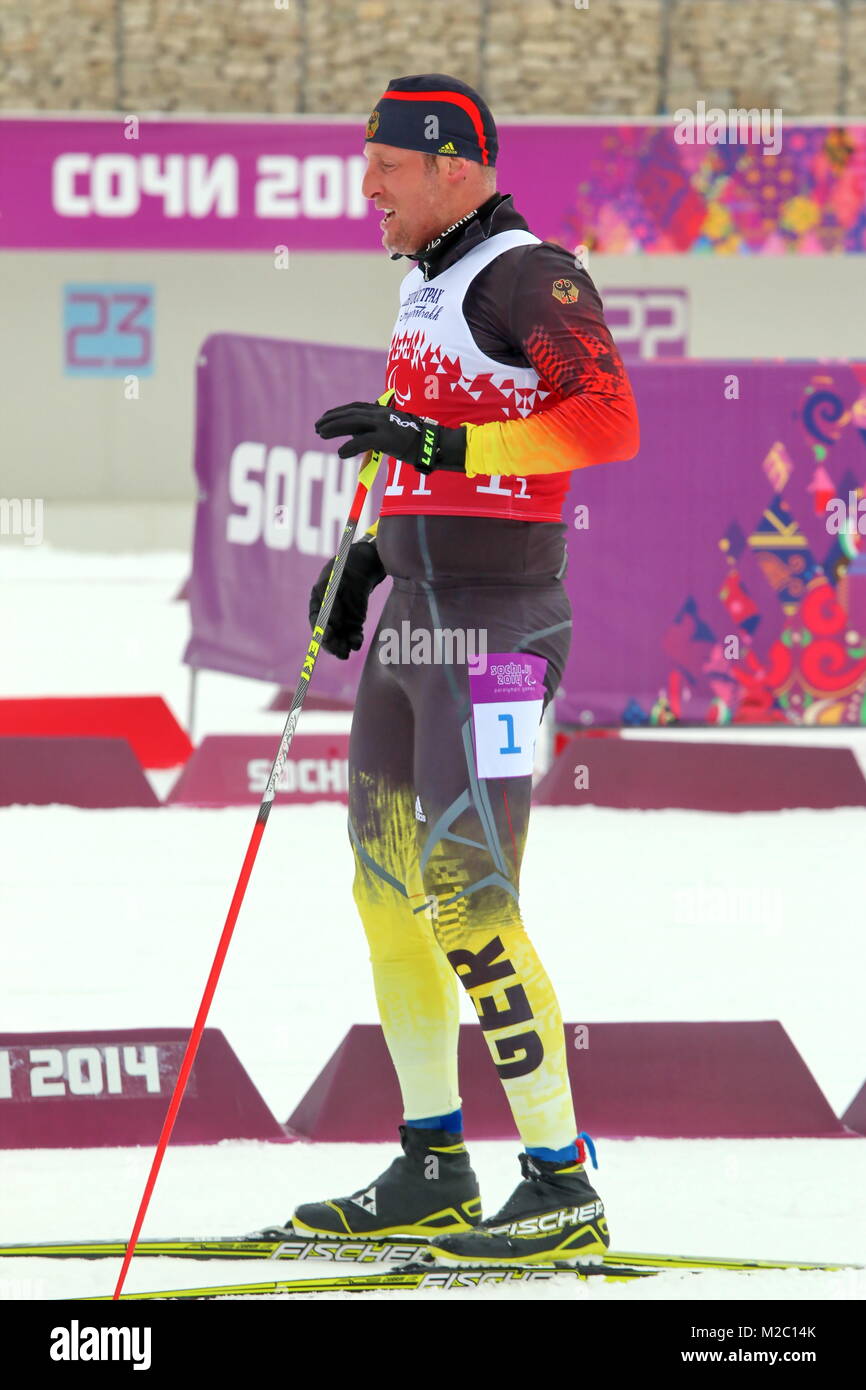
{"x":105,"y":1089}
{"x":145,"y":721}
{"x":643,"y":774}
{"x":563,"y":737}
{"x":233,"y":770}
{"x":855,"y":1115}
{"x":92,"y":772}
{"x":657,"y":1080}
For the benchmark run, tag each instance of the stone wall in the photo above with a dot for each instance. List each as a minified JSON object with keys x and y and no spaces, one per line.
{"x":757,"y":53}
{"x":529,"y":57}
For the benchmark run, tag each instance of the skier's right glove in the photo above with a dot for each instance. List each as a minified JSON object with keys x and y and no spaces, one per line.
{"x":364,"y":570}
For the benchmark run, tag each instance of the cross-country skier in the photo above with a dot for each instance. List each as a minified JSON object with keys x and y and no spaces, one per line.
{"x":504,"y":380}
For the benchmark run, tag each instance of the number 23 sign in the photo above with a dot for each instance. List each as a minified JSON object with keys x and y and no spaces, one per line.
{"x":108,"y":330}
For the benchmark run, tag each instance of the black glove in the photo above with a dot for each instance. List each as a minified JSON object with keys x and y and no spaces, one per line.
{"x":364,"y":570}
{"x":412,"y":438}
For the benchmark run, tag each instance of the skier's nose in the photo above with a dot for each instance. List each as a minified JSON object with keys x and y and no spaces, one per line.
{"x":370,"y":184}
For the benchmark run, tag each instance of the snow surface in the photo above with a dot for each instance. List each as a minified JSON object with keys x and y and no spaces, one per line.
{"x":111,"y":919}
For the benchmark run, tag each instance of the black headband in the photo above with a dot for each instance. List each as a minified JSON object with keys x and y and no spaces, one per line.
{"x":435,"y":114}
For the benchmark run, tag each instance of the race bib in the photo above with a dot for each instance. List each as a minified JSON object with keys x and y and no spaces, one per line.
{"x":507,"y":704}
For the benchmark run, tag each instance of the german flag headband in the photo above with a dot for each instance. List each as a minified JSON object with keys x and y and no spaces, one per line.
{"x":435,"y":114}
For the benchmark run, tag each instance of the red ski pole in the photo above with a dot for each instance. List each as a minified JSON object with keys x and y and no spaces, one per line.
{"x":365,"y":482}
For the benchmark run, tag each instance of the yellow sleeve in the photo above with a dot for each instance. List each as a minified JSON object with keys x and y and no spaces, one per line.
{"x":576,"y":433}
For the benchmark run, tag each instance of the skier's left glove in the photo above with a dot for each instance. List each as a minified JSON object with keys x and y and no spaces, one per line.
{"x":413,"y":438}
{"x":363,"y":571}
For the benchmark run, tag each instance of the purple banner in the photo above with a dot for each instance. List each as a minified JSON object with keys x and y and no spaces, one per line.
{"x":184,"y":185}
{"x":272,"y":503}
{"x":127,"y":183}
{"x":719,"y":577}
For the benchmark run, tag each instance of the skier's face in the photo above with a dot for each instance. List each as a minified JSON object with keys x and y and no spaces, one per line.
{"x":413,"y":194}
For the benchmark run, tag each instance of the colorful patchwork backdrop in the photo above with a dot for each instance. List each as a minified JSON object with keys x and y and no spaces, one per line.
{"x":708,"y":586}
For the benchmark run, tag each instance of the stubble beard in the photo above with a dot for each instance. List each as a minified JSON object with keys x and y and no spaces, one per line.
{"x":396,"y":241}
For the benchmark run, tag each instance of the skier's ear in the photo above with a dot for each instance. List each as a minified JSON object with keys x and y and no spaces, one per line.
{"x":457,"y":169}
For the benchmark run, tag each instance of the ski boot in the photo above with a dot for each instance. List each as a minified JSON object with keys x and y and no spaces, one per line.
{"x":430,"y":1190}
{"x":553,"y":1215}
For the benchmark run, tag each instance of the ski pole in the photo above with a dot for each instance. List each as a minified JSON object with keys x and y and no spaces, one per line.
{"x":365,"y":482}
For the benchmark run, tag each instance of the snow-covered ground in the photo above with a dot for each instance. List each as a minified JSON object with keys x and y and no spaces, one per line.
{"x":110,"y":920}
{"x":789,"y":1199}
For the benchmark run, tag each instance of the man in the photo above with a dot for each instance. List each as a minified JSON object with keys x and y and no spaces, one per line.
{"x":504,"y":379}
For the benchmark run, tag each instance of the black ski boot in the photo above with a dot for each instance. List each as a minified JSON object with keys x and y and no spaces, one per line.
{"x":430,"y":1190}
{"x":554,"y":1214}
